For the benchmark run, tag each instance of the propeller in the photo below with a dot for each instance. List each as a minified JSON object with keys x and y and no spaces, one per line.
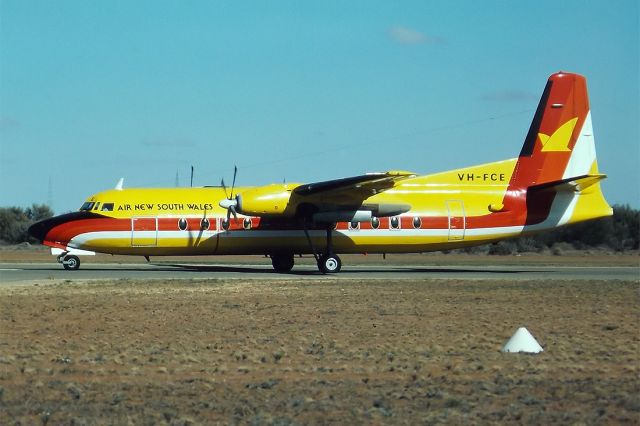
{"x":230,"y":203}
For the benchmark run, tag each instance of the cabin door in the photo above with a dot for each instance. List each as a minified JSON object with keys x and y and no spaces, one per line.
{"x":144,"y":231}
{"x":457,"y":220}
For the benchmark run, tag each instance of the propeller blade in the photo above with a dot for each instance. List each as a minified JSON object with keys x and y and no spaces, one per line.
{"x":225,"y":189}
{"x":229,"y":202}
{"x":233,"y":184}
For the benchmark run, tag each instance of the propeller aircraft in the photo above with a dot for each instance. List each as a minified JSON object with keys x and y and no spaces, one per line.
{"x":553,"y":182}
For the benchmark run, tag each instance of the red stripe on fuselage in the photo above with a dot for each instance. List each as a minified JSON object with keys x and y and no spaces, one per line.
{"x":64,"y":232}
{"x":61,"y":234}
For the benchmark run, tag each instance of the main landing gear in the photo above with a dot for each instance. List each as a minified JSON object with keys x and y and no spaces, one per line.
{"x":70,"y":262}
{"x":328,"y":262}
{"x":282,"y":263}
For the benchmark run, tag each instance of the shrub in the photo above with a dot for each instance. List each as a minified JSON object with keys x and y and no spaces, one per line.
{"x":14,"y":222}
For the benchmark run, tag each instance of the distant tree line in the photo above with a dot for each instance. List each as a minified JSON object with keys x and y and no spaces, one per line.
{"x":14,"y":222}
{"x":619,"y":233}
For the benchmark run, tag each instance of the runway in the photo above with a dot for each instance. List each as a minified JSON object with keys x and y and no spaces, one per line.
{"x":16,"y":273}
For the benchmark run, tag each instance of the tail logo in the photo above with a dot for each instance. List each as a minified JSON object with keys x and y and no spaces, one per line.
{"x":559,"y":141}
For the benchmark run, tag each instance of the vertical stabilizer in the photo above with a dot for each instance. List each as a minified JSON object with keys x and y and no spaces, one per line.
{"x":559,"y":143}
{"x":557,"y":170}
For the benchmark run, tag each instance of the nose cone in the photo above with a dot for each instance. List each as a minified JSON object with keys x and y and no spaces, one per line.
{"x":40,"y":229}
{"x":58,"y":230}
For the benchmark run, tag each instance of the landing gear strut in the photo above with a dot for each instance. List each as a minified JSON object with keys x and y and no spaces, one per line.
{"x":328,"y":262}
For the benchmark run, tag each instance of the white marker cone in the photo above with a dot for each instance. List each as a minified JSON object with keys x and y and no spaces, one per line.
{"x":522,"y":341}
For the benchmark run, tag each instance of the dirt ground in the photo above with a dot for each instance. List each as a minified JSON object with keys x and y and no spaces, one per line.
{"x":318,"y":352}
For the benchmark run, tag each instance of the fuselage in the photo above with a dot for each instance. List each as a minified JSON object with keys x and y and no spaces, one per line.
{"x":458,"y":208}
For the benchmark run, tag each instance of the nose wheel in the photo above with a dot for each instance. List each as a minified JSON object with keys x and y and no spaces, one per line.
{"x":69,"y":262}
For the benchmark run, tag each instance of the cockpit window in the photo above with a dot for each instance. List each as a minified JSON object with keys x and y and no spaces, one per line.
{"x":87,"y":206}
{"x":107,"y":207}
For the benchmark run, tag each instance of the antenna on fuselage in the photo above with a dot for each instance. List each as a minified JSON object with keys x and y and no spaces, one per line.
{"x":192,"y":176}
{"x":119,"y":184}
{"x":177,"y":179}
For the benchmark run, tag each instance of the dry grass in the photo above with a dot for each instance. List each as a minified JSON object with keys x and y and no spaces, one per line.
{"x":318,"y":352}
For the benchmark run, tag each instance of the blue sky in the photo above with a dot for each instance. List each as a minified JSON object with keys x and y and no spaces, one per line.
{"x":303,"y":91}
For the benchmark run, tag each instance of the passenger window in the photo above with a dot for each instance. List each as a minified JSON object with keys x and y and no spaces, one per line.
{"x":375,"y":222}
{"x":354,"y":225}
{"x":395,"y":222}
{"x":417,"y":222}
{"x":182,"y":224}
{"x":204,"y":224}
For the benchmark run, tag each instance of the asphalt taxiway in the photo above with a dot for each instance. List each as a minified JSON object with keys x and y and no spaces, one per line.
{"x":16,"y":273}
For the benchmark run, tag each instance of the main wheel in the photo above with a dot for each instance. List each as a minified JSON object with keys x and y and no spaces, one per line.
{"x":71,"y":263}
{"x":329,"y":264}
{"x":282,"y":263}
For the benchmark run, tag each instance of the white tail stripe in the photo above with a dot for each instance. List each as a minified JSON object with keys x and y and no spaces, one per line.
{"x":584,"y":152}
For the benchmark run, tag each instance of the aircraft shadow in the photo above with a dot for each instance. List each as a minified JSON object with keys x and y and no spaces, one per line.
{"x":301,"y":272}
{"x":238,"y":269}
{"x":390,"y":270}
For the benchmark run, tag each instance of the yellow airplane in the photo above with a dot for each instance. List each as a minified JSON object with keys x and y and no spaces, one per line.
{"x":553,"y":182}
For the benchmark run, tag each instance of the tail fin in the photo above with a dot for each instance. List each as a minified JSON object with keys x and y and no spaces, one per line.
{"x":558,"y":158}
{"x":560,"y":143}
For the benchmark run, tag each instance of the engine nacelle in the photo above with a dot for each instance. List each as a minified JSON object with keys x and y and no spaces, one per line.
{"x":265,"y":201}
{"x":343,"y":216}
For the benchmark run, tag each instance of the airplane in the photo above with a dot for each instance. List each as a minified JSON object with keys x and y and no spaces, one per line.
{"x":553,"y":182}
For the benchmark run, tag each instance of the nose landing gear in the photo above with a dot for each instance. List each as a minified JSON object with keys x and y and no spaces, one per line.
{"x":70,"y":262}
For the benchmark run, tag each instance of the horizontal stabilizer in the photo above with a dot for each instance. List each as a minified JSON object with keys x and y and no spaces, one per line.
{"x":575,"y":184}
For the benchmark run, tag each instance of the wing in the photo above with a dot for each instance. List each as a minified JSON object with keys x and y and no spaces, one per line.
{"x":355,"y":188}
{"x":339,"y":195}
{"x":343,"y":199}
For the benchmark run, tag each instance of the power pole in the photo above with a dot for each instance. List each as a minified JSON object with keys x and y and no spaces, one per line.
{"x":50,"y":194}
